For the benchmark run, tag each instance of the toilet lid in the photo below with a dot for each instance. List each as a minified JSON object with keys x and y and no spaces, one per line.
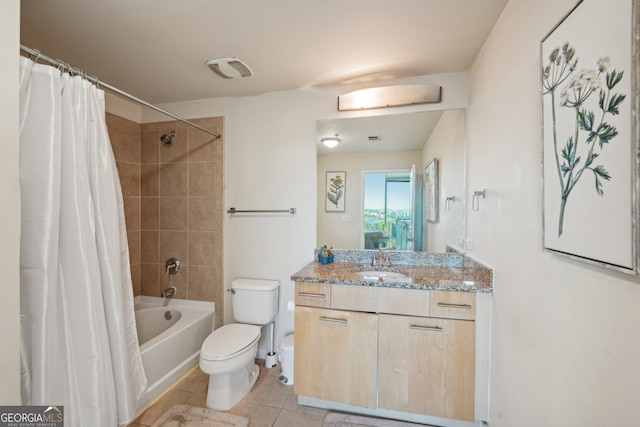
{"x":228,"y":340}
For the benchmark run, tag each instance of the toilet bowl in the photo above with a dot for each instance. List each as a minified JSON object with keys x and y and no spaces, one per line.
{"x":228,"y":357}
{"x":228,"y":354}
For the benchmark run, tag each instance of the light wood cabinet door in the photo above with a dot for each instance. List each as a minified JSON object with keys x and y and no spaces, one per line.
{"x":427,"y":366}
{"x":335,"y":355}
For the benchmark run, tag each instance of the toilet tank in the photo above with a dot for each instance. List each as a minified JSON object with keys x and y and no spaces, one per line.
{"x":254,"y":301}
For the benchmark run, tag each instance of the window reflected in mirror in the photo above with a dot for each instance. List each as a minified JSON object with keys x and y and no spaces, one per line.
{"x":388,"y":210}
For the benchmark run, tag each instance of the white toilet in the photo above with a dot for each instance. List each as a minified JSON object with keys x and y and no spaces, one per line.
{"x":228,"y":353}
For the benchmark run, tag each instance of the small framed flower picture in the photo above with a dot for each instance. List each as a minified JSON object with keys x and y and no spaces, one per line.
{"x":336,"y":191}
{"x":431,"y":191}
{"x":590,"y":134}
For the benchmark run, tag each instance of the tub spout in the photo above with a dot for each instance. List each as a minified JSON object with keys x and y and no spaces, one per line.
{"x":169,"y":292}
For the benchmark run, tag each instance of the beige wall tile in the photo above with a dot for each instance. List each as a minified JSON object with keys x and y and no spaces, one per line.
{"x":149,"y":246}
{"x":202,"y":249}
{"x":203,"y":147}
{"x":150,"y":180}
{"x":133,"y":238}
{"x":203,"y":179}
{"x":149,"y":279}
{"x":202,"y":216}
{"x":202,"y":283}
{"x":178,"y":151}
{"x":174,"y":244}
{"x":180,"y":281}
{"x":214,"y":124}
{"x":150,"y":147}
{"x":150,"y":213}
{"x":174,"y":213}
{"x":174,"y":179}
{"x":177,"y":206}
{"x":125,"y":138}
{"x":132,"y":212}
{"x":129,"y":178}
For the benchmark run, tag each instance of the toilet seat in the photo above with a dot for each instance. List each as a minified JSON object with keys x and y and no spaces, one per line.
{"x":227,"y":341}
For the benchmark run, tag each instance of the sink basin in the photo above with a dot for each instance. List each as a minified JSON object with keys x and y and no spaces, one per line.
{"x":383,"y":276}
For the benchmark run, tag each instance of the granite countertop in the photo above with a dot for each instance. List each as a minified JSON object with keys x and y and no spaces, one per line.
{"x":466,"y":277}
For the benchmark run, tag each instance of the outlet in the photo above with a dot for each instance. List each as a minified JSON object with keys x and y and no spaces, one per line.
{"x":469,"y":245}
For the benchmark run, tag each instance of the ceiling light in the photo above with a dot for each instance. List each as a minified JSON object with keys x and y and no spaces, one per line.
{"x":229,"y":68}
{"x":331,"y":141}
{"x":390,"y":96}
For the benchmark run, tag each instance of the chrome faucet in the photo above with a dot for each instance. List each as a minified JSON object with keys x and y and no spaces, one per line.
{"x":172,"y":266}
{"x":169,"y":292}
{"x":380,"y":259}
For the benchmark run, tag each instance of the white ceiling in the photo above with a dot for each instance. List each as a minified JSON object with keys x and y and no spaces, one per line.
{"x":156,"y":49}
{"x":397,"y":132}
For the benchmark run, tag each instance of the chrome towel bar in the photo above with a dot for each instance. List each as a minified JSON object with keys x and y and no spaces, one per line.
{"x":234,"y":211}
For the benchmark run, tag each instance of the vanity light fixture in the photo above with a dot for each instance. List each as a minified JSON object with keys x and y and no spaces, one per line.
{"x":331,"y":141}
{"x":229,"y":68}
{"x":390,"y":96}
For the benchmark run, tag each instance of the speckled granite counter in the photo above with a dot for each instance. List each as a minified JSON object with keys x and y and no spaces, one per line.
{"x":429,"y":271}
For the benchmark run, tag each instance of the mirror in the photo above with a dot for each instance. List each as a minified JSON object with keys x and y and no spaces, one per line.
{"x":431,"y":216}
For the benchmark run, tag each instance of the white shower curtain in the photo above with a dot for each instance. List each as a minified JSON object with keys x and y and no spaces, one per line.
{"x":79,"y":343}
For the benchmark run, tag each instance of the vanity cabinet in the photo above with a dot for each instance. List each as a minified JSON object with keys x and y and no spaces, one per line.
{"x":426,"y":366}
{"x":335,"y":355}
{"x":420,"y":345}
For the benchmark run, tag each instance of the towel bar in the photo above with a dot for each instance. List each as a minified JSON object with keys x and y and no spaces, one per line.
{"x":234,"y":211}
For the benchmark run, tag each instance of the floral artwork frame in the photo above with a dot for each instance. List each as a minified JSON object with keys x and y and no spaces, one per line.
{"x":431,"y":191}
{"x":589,"y":97}
{"x":336,"y":191}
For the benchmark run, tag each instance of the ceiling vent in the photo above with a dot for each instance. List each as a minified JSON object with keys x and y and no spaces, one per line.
{"x":229,"y":68}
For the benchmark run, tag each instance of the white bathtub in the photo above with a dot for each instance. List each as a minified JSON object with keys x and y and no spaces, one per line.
{"x":170,"y":348}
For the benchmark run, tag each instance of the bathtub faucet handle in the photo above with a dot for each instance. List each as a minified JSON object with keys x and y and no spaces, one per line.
{"x":169,"y":292}
{"x":172,"y":266}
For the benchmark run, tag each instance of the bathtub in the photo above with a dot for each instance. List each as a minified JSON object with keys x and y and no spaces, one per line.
{"x":169,"y":343}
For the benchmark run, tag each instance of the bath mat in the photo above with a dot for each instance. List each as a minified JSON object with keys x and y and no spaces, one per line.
{"x":190,"y":416}
{"x":336,"y":419}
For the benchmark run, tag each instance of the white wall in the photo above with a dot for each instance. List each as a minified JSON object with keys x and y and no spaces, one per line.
{"x":9,"y":207}
{"x":447,"y":144}
{"x":270,"y":163}
{"x":565,"y":345}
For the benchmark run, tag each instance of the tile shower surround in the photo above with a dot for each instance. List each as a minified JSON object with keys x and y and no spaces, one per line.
{"x":173,"y":205}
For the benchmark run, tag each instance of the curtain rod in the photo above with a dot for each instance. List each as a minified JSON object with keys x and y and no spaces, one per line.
{"x":94,"y":80}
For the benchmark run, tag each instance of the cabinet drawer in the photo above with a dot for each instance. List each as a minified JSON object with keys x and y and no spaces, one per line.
{"x":409,"y":302}
{"x":375,"y":299}
{"x":357,"y":298}
{"x":454,"y":305}
{"x":313,"y":294}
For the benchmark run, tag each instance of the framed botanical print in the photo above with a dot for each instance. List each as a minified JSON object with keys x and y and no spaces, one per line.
{"x":590,"y":137}
{"x":431,"y":191}
{"x":335,"y":191}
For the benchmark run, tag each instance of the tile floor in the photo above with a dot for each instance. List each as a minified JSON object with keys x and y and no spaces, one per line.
{"x":268,"y":404}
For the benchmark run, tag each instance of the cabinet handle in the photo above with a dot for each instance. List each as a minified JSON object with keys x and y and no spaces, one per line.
{"x":304,"y":294}
{"x":462,"y":306}
{"x":332,"y":319}
{"x":426,"y":328}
